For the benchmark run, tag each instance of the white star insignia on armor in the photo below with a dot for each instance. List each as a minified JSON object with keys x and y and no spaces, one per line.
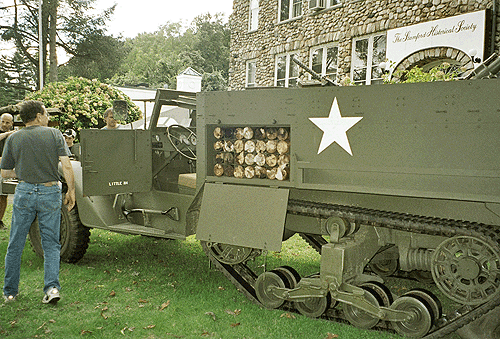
{"x":335,"y":128}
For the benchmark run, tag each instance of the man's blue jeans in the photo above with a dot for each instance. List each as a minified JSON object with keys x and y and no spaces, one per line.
{"x":31,"y":200}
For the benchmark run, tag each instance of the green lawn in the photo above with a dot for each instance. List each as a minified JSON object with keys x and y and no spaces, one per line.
{"x":140,"y":287}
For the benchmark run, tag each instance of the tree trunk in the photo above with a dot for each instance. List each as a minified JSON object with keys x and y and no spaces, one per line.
{"x":45,"y":40}
{"x":53,"y":4}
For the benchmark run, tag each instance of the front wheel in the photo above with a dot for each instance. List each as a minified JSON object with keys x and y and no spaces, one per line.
{"x":74,"y":236}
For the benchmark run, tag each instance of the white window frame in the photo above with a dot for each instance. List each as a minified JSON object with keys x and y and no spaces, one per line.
{"x":324,"y":60}
{"x":324,"y":4}
{"x":290,"y":80}
{"x":253,"y":16}
{"x":370,"y":60}
{"x":332,"y":3}
{"x":292,"y":4}
{"x":247,"y":73}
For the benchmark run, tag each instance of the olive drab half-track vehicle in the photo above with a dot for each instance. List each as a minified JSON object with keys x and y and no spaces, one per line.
{"x":388,"y":180}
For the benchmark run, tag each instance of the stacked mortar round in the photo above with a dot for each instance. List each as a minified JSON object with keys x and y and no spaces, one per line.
{"x":252,"y":152}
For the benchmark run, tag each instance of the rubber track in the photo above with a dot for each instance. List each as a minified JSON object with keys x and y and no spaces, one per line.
{"x":243,"y":278}
{"x":314,"y":240}
{"x":236,"y":274}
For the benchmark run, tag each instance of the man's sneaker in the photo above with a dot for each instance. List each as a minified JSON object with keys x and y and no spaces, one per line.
{"x":52,"y":296}
{"x":2,"y":225}
{"x":9,"y":298}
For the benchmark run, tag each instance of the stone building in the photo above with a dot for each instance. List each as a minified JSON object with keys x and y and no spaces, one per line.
{"x":356,"y":39}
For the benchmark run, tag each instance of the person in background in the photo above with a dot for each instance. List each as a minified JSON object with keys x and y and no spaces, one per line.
{"x":6,"y":129}
{"x":111,"y":123}
{"x":32,"y":154}
{"x":69,"y":135}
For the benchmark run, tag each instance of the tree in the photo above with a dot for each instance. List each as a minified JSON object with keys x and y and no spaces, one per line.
{"x":214,"y":81}
{"x":97,"y":57}
{"x":65,"y":24}
{"x":212,"y":37}
{"x":157,"y":58}
{"x":16,"y":79}
{"x":52,"y":38}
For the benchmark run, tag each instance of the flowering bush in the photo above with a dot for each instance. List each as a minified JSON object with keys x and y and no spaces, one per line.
{"x":82,"y":102}
{"x":443,"y":72}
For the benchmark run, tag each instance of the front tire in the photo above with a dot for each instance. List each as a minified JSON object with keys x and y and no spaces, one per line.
{"x":74,"y":236}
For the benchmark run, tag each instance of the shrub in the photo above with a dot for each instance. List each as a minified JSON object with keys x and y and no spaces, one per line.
{"x":443,"y":72}
{"x":82,"y":102}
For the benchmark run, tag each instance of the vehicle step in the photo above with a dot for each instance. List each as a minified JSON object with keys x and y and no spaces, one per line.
{"x":130,"y":228}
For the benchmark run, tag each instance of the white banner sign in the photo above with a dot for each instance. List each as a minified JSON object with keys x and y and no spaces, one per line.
{"x":464,"y":32}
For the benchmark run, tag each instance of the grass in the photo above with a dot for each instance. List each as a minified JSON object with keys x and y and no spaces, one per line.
{"x":140,"y":287}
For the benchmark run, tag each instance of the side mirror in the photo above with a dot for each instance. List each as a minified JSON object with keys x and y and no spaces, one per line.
{"x":120,"y":110}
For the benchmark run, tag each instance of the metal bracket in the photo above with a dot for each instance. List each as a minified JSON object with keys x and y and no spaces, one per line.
{"x":355,"y":296}
{"x":172,"y":213}
{"x":345,"y":293}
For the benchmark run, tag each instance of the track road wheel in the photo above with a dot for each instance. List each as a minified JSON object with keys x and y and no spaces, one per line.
{"x":313,"y":307}
{"x":383,"y":292}
{"x":263,"y":286}
{"x":430,"y":299}
{"x":385,"y":268}
{"x":421,"y":319}
{"x":291,"y":274}
{"x":360,"y":318}
{"x":74,"y":237}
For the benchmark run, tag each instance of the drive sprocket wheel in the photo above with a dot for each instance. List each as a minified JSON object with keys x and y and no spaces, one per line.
{"x":467,"y":270}
{"x":229,"y":254}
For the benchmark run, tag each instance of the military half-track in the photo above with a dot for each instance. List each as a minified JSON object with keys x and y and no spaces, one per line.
{"x":388,"y":180}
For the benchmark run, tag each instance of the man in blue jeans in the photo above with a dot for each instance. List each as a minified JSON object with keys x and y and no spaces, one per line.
{"x":32,"y":155}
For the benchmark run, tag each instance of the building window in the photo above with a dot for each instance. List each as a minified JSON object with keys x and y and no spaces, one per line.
{"x":287,"y":71}
{"x":324,"y":61}
{"x":253,"y":22}
{"x":367,"y":54}
{"x":331,"y":3}
{"x":322,"y":4}
{"x":290,"y":9}
{"x":251,"y":69}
